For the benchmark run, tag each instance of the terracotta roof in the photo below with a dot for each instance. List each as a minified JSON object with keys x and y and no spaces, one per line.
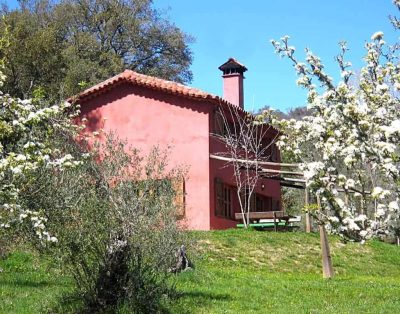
{"x":152,"y":83}
{"x":232,"y":63}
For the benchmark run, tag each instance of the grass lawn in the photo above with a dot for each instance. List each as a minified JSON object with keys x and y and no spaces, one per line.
{"x":29,"y":285}
{"x":239,"y":271}
{"x":260,"y":272}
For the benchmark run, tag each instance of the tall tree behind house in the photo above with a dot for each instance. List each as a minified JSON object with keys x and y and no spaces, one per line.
{"x":62,"y":47}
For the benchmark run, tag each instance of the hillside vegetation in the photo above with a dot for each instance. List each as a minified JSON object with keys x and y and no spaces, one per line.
{"x":240,"y":271}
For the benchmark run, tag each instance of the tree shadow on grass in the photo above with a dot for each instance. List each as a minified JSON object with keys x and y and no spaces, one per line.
{"x":206,"y":295}
{"x":69,"y":302}
{"x":30,"y":283}
{"x":202,"y":299}
{"x":73,"y":303}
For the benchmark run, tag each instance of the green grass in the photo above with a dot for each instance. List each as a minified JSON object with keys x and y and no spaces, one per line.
{"x":259,"y":272}
{"x":240,"y":271}
{"x":29,"y":284}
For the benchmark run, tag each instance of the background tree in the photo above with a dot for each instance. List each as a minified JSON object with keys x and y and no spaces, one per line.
{"x":292,"y":113}
{"x":64,"y":46}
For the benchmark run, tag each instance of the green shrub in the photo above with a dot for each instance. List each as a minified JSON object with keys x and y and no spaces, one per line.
{"x":115,"y":220}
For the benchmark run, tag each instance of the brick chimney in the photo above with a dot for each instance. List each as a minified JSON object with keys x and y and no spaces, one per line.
{"x":233,"y":81}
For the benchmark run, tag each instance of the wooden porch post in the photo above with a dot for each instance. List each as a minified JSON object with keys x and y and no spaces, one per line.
{"x":306,"y":203}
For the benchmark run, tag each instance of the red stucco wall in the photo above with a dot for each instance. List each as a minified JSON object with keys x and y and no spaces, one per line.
{"x":145,"y":118}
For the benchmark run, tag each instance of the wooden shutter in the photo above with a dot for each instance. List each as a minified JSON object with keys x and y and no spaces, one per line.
{"x":223,"y":199}
{"x":179,"y":201}
{"x":219,"y":196}
{"x":227,"y":202}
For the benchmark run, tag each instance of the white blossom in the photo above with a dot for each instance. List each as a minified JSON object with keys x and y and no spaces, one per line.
{"x":30,"y":150}
{"x":377,"y":36}
{"x":350,"y":139}
{"x":380,"y":210}
{"x":393,"y":206}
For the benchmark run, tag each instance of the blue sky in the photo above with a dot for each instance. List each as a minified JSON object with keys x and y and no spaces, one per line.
{"x":242,"y":29}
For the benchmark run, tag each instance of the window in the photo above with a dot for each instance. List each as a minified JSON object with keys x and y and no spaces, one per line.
{"x":268,"y":204}
{"x":271,"y":150}
{"x":274,"y":153}
{"x":275,"y":205}
{"x":221,"y":123}
{"x":223,"y":199}
{"x":260,"y":203}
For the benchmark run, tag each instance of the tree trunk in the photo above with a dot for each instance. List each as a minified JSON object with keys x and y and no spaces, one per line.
{"x":244,"y":218}
{"x":242,"y":209}
{"x":327,"y":267}
{"x":182,"y":263}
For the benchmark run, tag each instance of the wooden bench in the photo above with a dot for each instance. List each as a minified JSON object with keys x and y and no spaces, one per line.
{"x":267,"y":219}
{"x":292,"y":219}
{"x":262,"y":215}
{"x":266,"y":225}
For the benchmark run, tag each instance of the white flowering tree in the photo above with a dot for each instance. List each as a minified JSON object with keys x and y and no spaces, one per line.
{"x":355,"y":129}
{"x":27,"y":135}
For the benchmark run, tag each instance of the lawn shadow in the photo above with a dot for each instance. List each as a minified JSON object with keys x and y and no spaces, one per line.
{"x":206,"y":295}
{"x":73,"y":303}
{"x":68,"y":302}
{"x":30,"y":283}
{"x":203,"y":298}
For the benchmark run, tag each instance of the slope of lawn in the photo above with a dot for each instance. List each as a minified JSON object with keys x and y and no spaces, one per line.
{"x":261,"y":272}
{"x":239,"y":271}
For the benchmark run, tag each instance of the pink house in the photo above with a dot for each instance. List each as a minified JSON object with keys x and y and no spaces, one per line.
{"x":148,"y":111}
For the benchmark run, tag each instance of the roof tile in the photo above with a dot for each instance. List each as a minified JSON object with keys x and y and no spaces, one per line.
{"x":152,"y":83}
